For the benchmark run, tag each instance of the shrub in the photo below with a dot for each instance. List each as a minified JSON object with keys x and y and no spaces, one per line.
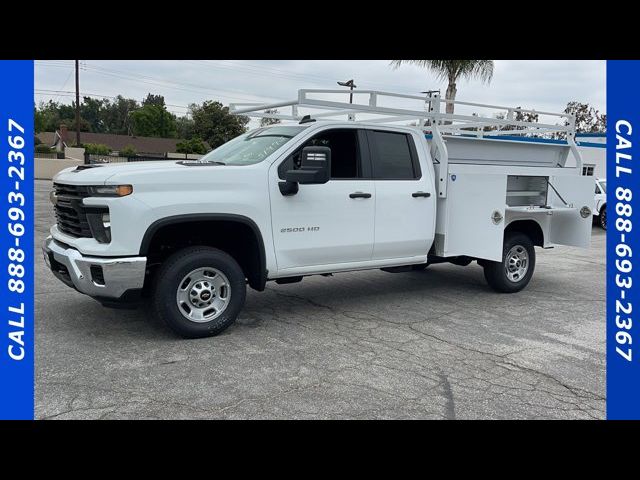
{"x":42,"y":148}
{"x":96,"y":149}
{"x":195,"y":145}
{"x":128,"y":151}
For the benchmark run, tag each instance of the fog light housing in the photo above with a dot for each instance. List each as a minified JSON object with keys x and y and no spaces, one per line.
{"x":100,"y":225}
{"x":585,"y":212}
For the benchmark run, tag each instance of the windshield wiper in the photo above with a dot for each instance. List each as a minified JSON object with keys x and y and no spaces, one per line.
{"x":214,"y":162}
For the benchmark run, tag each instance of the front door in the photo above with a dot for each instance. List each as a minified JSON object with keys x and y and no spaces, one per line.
{"x":326,"y":224}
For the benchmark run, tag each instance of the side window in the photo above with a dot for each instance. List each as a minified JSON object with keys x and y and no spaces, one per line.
{"x":393,"y":155}
{"x":345,"y":153}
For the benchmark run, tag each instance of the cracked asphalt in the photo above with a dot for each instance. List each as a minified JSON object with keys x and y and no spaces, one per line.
{"x":436,"y":344}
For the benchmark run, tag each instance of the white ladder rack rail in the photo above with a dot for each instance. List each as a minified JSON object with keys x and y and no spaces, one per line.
{"x":427,"y":115}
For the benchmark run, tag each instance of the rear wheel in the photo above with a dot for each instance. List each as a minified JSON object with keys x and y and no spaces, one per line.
{"x":602,"y":218}
{"x":516,"y":269}
{"x":199,"y":291}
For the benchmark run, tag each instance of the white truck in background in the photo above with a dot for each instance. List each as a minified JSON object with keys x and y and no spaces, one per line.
{"x":600,"y":204}
{"x":316,"y":197}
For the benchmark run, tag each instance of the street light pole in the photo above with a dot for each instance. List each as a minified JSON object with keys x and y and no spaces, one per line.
{"x":351,"y":86}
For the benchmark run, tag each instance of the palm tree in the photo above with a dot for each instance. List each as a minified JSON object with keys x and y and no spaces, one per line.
{"x":452,"y":71}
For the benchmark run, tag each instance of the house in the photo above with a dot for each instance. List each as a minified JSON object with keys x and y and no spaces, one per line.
{"x":593,"y":148}
{"x":150,"y":145}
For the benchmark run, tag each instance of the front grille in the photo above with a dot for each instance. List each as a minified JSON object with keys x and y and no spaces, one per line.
{"x":71,"y":215}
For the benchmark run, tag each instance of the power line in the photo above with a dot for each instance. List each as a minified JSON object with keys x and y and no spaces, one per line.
{"x":137,"y":77}
{"x":95,"y":95}
{"x":146,"y":79}
{"x":177,"y":113}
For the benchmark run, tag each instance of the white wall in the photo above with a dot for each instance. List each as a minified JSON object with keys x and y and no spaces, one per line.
{"x":74,"y":153}
{"x":595,"y":156}
{"x":46,"y":168}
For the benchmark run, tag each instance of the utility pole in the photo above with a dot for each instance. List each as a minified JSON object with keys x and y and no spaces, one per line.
{"x":351,"y":86}
{"x":77,"y":104}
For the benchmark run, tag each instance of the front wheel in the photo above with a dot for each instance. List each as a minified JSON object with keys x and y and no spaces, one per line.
{"x":516,"y":269}
{"x":199,"y":291}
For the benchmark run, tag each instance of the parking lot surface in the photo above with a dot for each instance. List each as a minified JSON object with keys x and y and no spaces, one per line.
{"x":437,"y":344}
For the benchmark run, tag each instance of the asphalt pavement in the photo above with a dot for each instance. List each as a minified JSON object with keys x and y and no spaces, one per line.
{"x":437,"y":344}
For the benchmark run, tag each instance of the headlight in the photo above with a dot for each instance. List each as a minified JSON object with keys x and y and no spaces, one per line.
{"x":110,"y":190}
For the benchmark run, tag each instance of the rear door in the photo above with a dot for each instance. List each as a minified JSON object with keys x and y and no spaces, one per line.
{"x":405,"y":197}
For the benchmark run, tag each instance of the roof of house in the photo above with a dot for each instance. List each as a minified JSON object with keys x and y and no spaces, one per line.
{"x":117,"y":142}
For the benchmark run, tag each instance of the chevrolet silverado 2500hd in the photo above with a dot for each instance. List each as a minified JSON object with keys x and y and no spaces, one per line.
{"x":318,"y":196}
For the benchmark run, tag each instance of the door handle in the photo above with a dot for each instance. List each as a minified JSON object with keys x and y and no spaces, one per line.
{"x":359,"y":195}
{"x":420,"y":194}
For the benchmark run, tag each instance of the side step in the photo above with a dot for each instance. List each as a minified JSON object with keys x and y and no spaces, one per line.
{"x":403,"y":268}
{"x":285,"y":280}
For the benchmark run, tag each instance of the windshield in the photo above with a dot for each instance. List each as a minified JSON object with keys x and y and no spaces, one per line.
{"x":252,"y":147}
{"x":603,"y":185}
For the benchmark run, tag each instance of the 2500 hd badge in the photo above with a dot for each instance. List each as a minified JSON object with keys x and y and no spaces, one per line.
{"x":299,"y":229}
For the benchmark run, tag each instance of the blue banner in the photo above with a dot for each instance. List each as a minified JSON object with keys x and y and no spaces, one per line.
{"x":16,"y":240}
{"x":623,"y":247}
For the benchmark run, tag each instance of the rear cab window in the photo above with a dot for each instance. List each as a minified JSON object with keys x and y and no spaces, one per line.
{"x":393,"y":155}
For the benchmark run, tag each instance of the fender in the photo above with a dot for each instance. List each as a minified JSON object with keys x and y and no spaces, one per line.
{"x":198,"y":217}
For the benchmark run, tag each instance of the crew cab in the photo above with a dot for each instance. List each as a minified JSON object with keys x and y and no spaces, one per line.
{"x":313,"y":197}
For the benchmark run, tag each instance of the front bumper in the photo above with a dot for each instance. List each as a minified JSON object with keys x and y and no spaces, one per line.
{"x":94,"y":276}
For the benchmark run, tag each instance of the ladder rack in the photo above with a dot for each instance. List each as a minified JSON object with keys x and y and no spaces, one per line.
{"x":424,"y":111}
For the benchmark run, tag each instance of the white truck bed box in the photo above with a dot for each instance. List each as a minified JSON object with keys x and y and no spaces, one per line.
{"x":493,"y":151}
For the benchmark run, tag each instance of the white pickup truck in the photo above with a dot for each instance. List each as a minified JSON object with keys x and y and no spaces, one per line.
{"x":317,"y":197}
{"x":600,"y":203}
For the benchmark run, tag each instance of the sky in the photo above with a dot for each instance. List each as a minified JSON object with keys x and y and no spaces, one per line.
{"x":537,"y":84}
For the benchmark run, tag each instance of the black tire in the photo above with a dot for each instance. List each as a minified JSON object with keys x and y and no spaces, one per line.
{"x":495,"y":272}
{"x":419,"y":267}
{"x":174,"y":270}
{"x":602,"y":218}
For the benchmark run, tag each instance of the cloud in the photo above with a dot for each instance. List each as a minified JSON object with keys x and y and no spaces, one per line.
{"x":540,"y":84}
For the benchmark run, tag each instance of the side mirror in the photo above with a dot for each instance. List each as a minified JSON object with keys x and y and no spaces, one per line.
{"x":315,"y":167}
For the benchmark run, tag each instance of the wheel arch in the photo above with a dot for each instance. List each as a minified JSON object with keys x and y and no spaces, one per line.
{"x":257,"y":276}
{"x":529,"y":227}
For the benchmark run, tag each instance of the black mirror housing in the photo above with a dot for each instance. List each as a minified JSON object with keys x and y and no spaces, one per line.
{"x":315,"y":167}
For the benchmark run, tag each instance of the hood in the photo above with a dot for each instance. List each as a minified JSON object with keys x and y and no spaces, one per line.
{"x":98,"y":174}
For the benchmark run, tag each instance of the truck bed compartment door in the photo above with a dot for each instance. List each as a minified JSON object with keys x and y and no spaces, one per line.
{"x":465,"y":224}
{"x":567,"y":226}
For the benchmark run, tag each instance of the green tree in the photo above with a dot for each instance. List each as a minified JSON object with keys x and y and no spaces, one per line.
{"x":117,"y":115}
{"x":452,"y":71}
{"x":214,"y":123}
{"x":588,"y":119}
{"x":185,"y":127}
{"x":195,"y":145}
{"x":92,"y":111}
{"x":49,"y":115}
{"x":39,"y":120}
{"x":153,"y":121}
{"x":152,"y":99}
